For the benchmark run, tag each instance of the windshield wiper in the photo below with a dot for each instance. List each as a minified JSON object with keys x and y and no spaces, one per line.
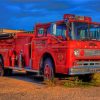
{"x":84,"y":39}
{"x":89,"y":38}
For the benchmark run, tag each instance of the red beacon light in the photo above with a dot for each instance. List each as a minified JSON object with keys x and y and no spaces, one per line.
{"x":77,"y":18}
{"x":69,"y":16}
{"x":88,"y":19}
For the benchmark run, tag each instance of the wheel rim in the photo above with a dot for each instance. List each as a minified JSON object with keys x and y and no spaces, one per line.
{"x":47,"y":72}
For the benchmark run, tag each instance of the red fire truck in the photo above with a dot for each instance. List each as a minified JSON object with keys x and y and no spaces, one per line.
{"x":70,"y":46}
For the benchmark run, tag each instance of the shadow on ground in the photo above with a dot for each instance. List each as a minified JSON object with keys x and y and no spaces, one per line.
{"x":27,"y":78}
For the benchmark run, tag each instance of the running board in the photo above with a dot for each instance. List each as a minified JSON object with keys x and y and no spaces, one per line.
{"x":23,"y":69}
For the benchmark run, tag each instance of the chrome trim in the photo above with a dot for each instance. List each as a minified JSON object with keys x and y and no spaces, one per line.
{"x":77,"y":70}
{"x":92,"y":52}
{"x":22,"y":69}
{"x":88,"y":63}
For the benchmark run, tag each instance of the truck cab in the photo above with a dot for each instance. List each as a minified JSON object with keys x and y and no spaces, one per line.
{"x":73,"y":43}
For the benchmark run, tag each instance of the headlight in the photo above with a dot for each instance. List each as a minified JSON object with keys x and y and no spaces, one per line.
{"x":76,"y":52}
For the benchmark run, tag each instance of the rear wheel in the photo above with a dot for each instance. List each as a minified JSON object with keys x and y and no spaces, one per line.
{"x":7,"y":72}
{"x":1,"y":67}
{"x":48,"y":70}
{"x":1,"y":70}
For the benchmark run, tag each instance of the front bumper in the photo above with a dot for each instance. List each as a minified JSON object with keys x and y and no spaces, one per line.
{"x":77,"y":70}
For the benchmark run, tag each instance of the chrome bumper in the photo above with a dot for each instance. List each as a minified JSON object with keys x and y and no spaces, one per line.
{"x":77,"y":70}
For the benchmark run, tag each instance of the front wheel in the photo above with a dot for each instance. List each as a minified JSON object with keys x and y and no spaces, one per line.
{"x":86,"y":77}
{"x":48,"y":70}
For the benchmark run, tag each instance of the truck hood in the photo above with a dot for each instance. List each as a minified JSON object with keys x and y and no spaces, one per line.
{"x":83,"y":44}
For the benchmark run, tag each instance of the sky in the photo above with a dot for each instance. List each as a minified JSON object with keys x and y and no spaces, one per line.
{"x":24,"y":14}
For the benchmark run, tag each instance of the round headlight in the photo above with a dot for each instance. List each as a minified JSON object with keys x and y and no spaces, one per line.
{"x":76,"y":52}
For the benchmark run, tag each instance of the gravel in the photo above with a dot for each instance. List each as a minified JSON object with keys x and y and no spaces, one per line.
{"x":16,"y":89}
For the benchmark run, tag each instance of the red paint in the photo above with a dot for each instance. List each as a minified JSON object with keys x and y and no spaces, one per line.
{"x":34,"y":46}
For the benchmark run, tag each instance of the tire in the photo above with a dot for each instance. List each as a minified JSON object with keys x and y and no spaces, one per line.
{"x":48,"y":70}
{"x":86,"y":77}
{"x":1,"y":67}
{"x":3,"y":71}
{"x":7,"y":72}
{"x":29,"y":73}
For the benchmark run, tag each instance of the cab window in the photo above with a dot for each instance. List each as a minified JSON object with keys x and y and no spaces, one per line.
{"x":61,"y":31}
{"x":40,"y":31}
{"x":58,"y":30}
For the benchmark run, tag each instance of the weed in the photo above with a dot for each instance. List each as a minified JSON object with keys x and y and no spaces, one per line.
{"x":75,"y":81}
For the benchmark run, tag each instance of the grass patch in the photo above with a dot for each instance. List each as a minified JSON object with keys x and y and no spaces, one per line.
{"x":73,"y":82}
{"x":95,"y":81}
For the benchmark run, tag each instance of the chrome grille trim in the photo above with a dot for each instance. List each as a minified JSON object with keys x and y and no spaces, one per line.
{"x":77,"y":70}
{"x":88,"y":63}
{"x":92,"y":52}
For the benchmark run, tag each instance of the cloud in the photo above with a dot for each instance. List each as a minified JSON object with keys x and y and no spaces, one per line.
{"x":25,"y":13}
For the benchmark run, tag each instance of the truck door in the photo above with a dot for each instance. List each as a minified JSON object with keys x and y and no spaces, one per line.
{"x":38,"y":44}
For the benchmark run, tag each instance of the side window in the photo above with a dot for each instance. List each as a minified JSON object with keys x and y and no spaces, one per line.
{"x":52,"y":29}
{"x":58,"y":30}
{"x":61,"y":31}
{"x":40,"y":31}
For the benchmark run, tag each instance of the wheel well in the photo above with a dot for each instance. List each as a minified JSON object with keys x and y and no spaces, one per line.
{"x":44,"y":57}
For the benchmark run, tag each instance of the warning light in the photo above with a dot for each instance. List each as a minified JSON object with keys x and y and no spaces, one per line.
{"x":77,"y":18}
{"x":69,"y":16}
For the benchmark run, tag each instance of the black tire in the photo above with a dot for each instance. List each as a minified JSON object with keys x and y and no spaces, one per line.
{"x":86,"y":77}
{"x":48,"y":70}
{"x":1,"y":67}
{"x":3,"y":71}
{"x":29,"y":73}
{"x":7,"y":72}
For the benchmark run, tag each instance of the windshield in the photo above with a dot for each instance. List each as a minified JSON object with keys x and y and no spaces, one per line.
{"x":75,"y":31}
{"x":84,"y":31}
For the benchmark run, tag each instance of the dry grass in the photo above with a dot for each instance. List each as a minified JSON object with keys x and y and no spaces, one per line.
{"x":96,"y":79}
{"x":15,"y":89}
{"x":75,"y":82}
{"x":79,"y":83}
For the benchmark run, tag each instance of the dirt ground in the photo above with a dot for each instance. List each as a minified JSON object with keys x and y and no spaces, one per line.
{"x":24,"y":88}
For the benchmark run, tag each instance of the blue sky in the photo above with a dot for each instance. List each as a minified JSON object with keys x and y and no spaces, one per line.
{"x":24,"y":14}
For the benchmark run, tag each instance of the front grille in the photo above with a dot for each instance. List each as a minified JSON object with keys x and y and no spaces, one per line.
{"x":88,"y":63}
{"x":92,"y":52}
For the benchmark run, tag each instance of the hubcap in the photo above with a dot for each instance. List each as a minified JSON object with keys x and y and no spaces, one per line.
{"x":47,"y":72}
